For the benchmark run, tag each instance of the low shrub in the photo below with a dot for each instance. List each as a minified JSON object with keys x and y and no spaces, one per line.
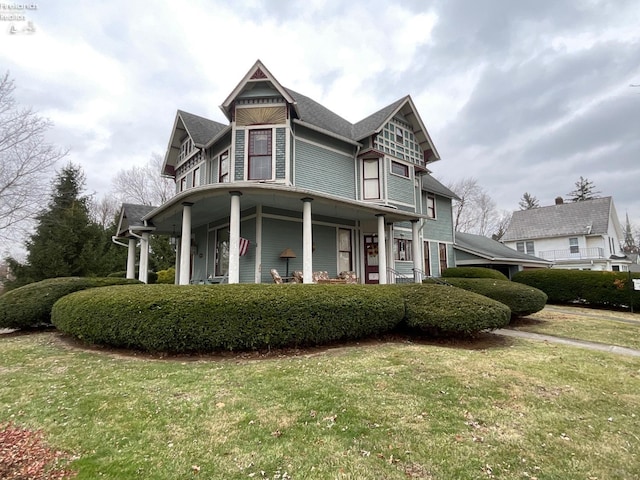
{"x":594,"y":288}
{"x":167,"y":276}
{"x":521,"y":299}
{"x":201,"y":318}
{"x":450,"y":311}
{"x":205,"y":318}
{"x":30,"y":306}
{"x":473,"y":272}
{"x":152,"y":277}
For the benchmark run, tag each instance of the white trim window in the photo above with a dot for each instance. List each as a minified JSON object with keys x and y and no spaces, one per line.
{"x":525,"y":247}
{"x":573,"y":245}
{"x":402,"y":250}
{"x":260,"y":155}
{"x":400,"y":169}
{"x":431,"y":206}
{"x":345,"y":257}
{"x":186,"y":148}
{"x":195,"y":179}
{"x":370,"y":179}
{"x":223,"y":167}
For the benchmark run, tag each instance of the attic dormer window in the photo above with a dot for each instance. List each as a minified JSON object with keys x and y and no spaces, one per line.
{"x":399,"y":136}
{"x":186,"y":148}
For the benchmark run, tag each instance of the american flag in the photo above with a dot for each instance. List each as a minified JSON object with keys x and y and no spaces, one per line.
{"x":244,"y":246}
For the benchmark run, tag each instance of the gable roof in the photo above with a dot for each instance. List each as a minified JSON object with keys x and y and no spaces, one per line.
{"x":588,"y":217}
{"x":200,"y":129}
{"x":131,"y":218}
{"x":431,"y":185}
{"x":493,"y":250}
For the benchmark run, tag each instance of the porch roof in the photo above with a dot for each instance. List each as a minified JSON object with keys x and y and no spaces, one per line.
{"x":212,"y":202}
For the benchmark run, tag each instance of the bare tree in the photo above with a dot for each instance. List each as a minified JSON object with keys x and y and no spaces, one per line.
{"x":144,"y":185}
{"x":103,"y":211}
{"x":475,"y":211}
{"x":27,"y":162}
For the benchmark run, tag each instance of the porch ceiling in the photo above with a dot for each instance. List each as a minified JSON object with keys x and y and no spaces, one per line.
{"x":212,"y":202}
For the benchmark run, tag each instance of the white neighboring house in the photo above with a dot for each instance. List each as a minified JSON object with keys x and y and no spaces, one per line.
{"x":582,"y":235}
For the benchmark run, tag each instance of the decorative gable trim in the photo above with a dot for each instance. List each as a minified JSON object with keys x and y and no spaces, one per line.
{"x":257,"y":73}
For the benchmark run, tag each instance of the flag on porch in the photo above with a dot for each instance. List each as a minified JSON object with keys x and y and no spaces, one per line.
{"x":244,"y":246}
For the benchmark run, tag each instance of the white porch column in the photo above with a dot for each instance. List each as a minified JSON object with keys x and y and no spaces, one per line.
{"x":382,"y":251}
{"x":131,"y":259}
{"x":234,"y":238}
{"x":143,"y":273}
{"x":176,"y":279}
{"x":185,"y":245}
{"x":307,"y":241}
{"x":416,"y":251}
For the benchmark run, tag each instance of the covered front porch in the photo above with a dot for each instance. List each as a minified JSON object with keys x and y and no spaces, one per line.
{"x":240,"y":231}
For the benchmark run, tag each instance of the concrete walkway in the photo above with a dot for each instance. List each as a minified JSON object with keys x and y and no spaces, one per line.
{"x":568,"y":341}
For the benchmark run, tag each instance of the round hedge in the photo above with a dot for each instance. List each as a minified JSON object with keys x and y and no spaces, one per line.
{"x":446,"y":310}
{"x":521,"y":299}
{"x":30,"y":305}
{"x":473,"y":272}
{"x":206,"y":318}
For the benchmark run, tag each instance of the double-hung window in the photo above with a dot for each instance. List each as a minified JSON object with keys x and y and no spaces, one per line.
{"x":260,"y":154}
{"x":431,"y":205}
{"x":573,"y":245}
{"x":402,"y":250}
{"x":371,"y":178}
{"x":223,"y":176}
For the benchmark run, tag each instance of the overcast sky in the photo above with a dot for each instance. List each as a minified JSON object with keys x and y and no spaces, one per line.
{"x":521,"y":95}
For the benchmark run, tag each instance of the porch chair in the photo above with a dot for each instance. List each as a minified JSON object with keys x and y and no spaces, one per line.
{"x":348,"y":276}
{"x":276,"y":276}
{"x":296,"y":277}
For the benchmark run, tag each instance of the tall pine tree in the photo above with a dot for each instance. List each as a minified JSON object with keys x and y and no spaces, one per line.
{"x":528,"y":201}
{"x":585,"y":190}
{"x":66,"y":242}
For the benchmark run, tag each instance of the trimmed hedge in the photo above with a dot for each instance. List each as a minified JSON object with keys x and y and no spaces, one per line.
{"x":152,"y":276}
{"x":445,"y":310}
{"x":473,"y":272}
{"x":595,"y":288}
{"x":521,"y":299}
{"x":203,"y":318}
{"x":30,"y":305}
{"x":167,"y":276}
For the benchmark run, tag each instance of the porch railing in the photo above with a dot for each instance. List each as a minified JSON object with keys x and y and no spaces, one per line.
{"x":396,"y":277}
{"x":572,"y":254}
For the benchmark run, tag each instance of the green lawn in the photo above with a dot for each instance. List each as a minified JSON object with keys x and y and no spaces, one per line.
{"x":493,"y":408}
{"x":584,"y":324}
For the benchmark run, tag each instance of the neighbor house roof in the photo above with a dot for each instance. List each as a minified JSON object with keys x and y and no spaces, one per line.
{"x":494,"y":251}
{"x":588,"y":217}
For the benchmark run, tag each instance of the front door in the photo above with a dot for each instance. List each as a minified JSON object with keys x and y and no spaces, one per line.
{"x":371,"y":273}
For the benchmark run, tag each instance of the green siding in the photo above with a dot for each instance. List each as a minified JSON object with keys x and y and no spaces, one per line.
{"x":399,"y":189}
{"x":441,"y":228}
{"x":281,"y":153}
{"x":248,"y":261}
{"x":200,"y":259}
{"x":317,"y":168}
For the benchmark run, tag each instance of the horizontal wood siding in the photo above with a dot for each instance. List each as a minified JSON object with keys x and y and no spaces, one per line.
{"x":238,"y":168}
{"x":200,"y":260}
{"x":399,"y":189}
{"x":281,"y":144}
{"x":248,"y":261}
{"x":441,"y":228}
{"x":324,"y":170}
{"x":325,"y":257}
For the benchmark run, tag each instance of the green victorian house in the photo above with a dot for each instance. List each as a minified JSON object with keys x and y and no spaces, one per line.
{"x":289,"y":185}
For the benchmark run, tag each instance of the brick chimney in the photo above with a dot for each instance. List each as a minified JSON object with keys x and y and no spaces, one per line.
{"x":559,"y":201}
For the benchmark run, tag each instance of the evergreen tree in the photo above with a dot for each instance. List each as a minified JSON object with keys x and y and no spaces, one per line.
{"x":161,"y":253}
{"x":585,"y":190}
{"x":629,"y":245}
{"x":528,"y":201}
{"x":66,"y":242}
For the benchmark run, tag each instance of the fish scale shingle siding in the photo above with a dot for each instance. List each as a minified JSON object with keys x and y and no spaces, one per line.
{"x":281,"y":152}
{"x":239,"y":159}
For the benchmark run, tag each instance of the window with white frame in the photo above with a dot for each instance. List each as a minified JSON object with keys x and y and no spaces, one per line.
{"x":183,"y":183}
{"x":402,"y":250}
{"x":345,"y":263}
{"x":259,"y":160}
{"x":573,"y":245}
{"x":195,"y":179}
{"x":442,"y":251}
{"x":371,"y":178}
{"x":223,"y":166}
{"x":525,"y":247}
{"x":431,"y":205}
{"x":185,"y":148}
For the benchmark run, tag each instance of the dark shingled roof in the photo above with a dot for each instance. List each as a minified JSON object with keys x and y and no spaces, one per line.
{"x":431,"y":185}
{"x":135,"y":213}
{"x":200,"y":129}
{"x":488,"y":248}
{"x":367,"y":126}
{"x":312,"y":112}
{"x":589,"y":217}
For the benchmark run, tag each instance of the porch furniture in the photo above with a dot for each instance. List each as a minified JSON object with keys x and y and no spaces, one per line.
{"x":348,"y":276}
{"x":296,"y":276}
{"x":288,"y":253}
{"x":318,"y":276}
{"x":218,"y":279}
{"x":276,"y":276}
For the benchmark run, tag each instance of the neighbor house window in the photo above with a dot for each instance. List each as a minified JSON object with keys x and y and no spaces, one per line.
{"x":344,"y":250}
{"x":525,"y":247}
{"x":223,"y":176}
{"x":400,"y":169}
{"x":573,"y":245}
{"x":402,"y":249}
{"x":431,"y":205}
{"x":371,"y":179}
{"x":442,"y":250}
{"x":260,"y":154}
